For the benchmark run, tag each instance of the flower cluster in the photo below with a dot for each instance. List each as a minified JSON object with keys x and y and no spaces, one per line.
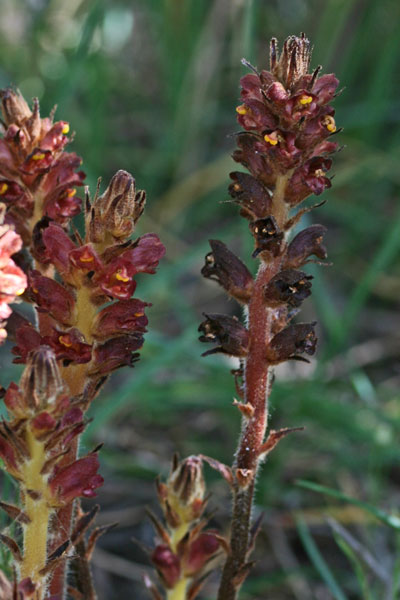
{"x":87,"y":325}
{"x":36,"y":446}
{"x":286,"y":143}
{"x":288,"y":124}
{"x":12,"y":279}
{"x":91,"y":272}
{"x":37,"y":177}
{"x":185,"y":552}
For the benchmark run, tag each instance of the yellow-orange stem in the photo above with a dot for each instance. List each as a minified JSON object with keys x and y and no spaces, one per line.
{"x":38,"y":511}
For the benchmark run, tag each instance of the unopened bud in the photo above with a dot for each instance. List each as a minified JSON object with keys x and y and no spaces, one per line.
{"x":14,"y":107}
{"x":184,"y":490}
{"x":41,"y":381}
{"x":117,"y":210}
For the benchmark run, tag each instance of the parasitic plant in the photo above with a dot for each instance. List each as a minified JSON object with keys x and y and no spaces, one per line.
{"x":286,"y":143}
{"x":87,"y":324}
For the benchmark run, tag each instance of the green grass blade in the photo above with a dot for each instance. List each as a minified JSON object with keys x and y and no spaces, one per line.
{"x":390,"y":520}
{"x":318,"y":560}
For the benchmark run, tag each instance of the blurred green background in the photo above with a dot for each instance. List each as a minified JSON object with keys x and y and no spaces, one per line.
{"x":151,"y":87}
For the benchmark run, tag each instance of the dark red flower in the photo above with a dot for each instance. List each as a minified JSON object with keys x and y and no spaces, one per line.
{"x":70,"y":346}
{"x":125,"y":316}
{"x":167,"y":564}
{"x":52,"y":297}
{"x":78,"y":479}
{"x":115,"y":353}
{"x":201,"y":550}
{"x":58,"y":245}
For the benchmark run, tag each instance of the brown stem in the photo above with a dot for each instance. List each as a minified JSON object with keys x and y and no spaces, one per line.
{"x":257,"y":388}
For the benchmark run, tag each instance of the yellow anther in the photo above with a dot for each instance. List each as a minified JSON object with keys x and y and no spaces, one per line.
{"x":38,"y":156}
{"x":139,"y":314}
{"x":319,"y":172}
{"x":305,"y":100}
{"x":35,"y":290}
{"x":65,"y":129}
{"x":329,"y":123}
{"x":237,"y":187}
{"x":3,"y":188}
{"x":71,"y":193}
{"x":121,"y":277}
{"x":20,"y":292}
{"x":242,"y":109}
{"x":64,"y":340}
{"x":270,"y":140}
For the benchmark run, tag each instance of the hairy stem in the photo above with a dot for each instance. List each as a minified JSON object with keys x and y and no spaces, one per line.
{"x":37,"y":509}
{"x":257,"y":388}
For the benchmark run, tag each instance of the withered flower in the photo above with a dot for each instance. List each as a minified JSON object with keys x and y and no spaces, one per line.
{"x":115,"y":213}
{"x":223,"y":266}
{"x":252,"y":196}
{"x":292,"y":341}
{"x":306,"y":243}
{"x":228,"y":332}
{"x":267,"y":236}
{"x":288,"y":287}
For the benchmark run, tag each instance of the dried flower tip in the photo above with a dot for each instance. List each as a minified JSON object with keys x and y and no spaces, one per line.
{"x":41,"y":381}
{"x":229,"y":271}
{"x":291,"y":342}
{"x":232,"y":336}
{"x":267,"y":235}
{"x":288,"y":287}
{"x":116,"y":211}
{"x":293,"y":62}
{"x":14,"y":107}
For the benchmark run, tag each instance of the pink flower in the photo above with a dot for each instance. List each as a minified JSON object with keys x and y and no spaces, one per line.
{"x":12,"y":279}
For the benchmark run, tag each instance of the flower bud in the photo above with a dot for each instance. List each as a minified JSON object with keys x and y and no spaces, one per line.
{"x":182,"y":496}
{"x":201,"y":550}
{"x":229,"y":271}
{"x":41,"y":381}
{"x":167,"y":564}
